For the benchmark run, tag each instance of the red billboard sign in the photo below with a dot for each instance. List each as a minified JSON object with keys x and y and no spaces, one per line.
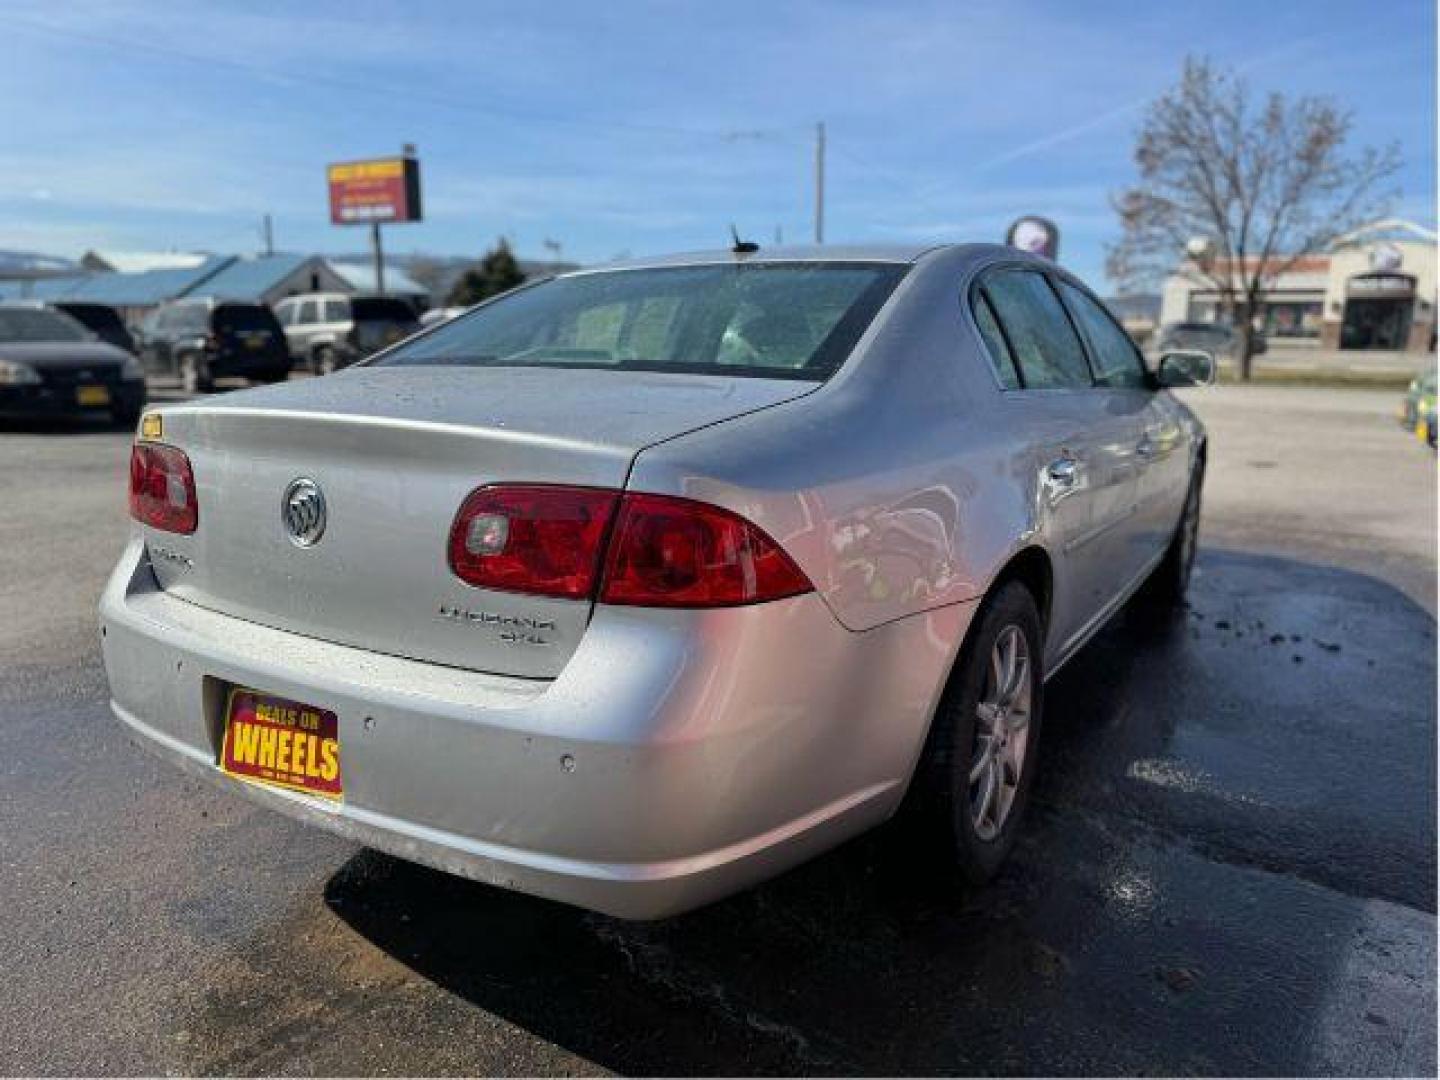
{"x":383,"y":189}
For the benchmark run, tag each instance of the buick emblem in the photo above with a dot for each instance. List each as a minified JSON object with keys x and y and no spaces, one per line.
{"x":303,"y":511}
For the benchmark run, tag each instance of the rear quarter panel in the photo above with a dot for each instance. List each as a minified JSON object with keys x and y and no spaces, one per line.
{"x":898,"y":487}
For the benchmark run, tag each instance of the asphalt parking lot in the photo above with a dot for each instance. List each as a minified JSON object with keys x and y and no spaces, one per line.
{"x":1230,"y":867}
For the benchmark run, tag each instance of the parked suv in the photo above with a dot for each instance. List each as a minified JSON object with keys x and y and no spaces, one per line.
{"x":208,"y":339}
{"x":330,"y":330}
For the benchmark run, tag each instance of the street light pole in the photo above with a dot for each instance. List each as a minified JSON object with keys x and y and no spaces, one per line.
{"x":820,"y":182}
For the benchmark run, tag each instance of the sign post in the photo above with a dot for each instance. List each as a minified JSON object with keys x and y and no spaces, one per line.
{"x":372,"y":192}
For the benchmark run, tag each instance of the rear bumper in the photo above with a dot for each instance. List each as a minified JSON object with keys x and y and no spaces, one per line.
{"x":679,"y":757}
{"x":247,"y":362}
{"x":61,"y":400}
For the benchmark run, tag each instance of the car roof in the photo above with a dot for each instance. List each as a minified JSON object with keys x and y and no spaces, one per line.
{"x":889,"y":253}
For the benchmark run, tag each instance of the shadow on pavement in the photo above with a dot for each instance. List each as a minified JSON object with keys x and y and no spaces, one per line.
{"x":1232,"y":832}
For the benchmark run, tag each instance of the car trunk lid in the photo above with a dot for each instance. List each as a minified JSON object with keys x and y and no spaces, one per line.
{"x":394,"y":452}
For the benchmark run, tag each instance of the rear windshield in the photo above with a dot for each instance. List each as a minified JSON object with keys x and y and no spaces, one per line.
{"x":229,"y":318}
{"x":381,"y":309}
{"x":773,"y":320}
{"x":36,"y":324}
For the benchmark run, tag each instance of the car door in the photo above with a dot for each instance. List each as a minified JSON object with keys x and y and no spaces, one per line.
{"x":1120,"y":374}
{"x":1081,"y":448}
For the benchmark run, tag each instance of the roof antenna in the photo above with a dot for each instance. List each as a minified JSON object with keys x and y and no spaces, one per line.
{"x":742,"y":247}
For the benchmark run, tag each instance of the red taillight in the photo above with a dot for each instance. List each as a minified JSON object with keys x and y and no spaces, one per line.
{"x":662,"y":552}
{"x":536,"y":539}
{"x":670,"y":552}
{"x":162,"y":488}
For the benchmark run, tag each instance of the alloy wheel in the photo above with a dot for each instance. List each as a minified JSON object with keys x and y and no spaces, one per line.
{"x":1002,"y":733}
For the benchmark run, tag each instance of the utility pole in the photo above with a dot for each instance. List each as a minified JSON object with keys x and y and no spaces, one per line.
{"x":379,"y":253}
{"x":268,"y":232}
{"x":820,"y":182}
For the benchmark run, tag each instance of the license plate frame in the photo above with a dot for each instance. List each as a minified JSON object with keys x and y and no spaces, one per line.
{"x":277,"y":742}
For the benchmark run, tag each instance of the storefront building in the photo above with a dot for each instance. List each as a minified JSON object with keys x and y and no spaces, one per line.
{"x":1374,"y":290}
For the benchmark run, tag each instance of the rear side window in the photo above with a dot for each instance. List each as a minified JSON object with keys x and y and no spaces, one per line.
{"x":995,"y":345}
{"x":229,"y":318}
{"x":1117,"y":361}
{"x":1044,"y":343}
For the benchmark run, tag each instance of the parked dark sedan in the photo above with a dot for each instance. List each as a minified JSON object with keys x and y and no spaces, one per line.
{"x":51,"y":365}
{"x":206,"y":339}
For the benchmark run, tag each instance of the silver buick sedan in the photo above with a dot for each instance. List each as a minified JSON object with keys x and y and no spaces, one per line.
{"x":635,"y":586}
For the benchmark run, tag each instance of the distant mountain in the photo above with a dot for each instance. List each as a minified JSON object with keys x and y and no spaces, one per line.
{"x":25,"y":265}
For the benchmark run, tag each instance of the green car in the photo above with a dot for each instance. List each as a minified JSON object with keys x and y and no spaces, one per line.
{"x":1419,"y":400}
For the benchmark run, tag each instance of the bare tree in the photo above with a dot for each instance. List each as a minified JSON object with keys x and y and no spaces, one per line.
{"x":1233,"y":193}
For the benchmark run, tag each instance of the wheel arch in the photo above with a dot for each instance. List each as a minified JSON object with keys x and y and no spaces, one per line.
{"x":1031,"y":567}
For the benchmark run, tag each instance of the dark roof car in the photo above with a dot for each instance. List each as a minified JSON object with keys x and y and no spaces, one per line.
{"x":50,"y":364}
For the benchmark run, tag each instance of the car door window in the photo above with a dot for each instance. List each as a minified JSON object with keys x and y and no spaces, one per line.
{"x":1042,"y":339}
{"x":996,"y":347}
{"x":308,"y":312}
{"x":1116,"y":359}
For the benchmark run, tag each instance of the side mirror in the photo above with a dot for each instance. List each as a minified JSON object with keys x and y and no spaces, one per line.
{"x":1185,"y":368}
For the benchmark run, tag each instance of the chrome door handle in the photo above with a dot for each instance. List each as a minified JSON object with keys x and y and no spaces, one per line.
{"x":1063,"y":472}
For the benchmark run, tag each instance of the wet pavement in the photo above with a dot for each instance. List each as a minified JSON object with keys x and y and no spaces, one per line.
{"x":1230,"y":866}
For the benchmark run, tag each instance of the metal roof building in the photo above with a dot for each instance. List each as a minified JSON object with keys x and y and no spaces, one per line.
{"x":264,"y":278}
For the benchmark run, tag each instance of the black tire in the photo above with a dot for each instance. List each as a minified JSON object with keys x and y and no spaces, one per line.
{"x":195,"y":376}
{"x":944,"y":798}
{"x":1170,"y":581}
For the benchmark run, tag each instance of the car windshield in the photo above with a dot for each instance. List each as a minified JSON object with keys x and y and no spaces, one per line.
{"x":775,"y":320}
{"x":36,"y":324}
{"x":381,"y":309}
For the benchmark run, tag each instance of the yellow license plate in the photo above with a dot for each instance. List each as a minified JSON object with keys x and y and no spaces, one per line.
{"x":92,"y":395}
{"x":281,"y":743}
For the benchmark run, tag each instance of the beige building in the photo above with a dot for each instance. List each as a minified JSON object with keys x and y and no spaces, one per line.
{"x":1375,"y":289}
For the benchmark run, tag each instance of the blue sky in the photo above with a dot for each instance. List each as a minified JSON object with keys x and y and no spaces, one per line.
{"x":644,"y":127}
